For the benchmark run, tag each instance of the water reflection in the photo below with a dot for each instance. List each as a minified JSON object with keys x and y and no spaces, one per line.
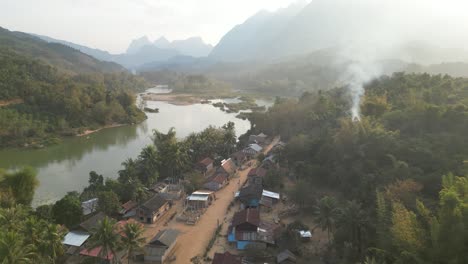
{"x":65,"y":167}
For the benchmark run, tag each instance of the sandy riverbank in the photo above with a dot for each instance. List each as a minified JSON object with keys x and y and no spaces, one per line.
{"x":88,"y":131}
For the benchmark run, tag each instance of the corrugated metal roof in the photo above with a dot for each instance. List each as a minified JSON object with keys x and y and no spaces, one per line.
{"x":270,"y":194}
{"x":202,"y":193}
{"x":197,"y":197}
{"x":75,"y":238}
{"x":255,"y":147}
{"x":89,"y":206}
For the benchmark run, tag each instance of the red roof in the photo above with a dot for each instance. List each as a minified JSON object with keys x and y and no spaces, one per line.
{"x":226,"y":258}
{"x":219,"y":178}
{"x":95,"y":252}
{"x":129,"y":205}
{"x":206,"y":161}
{"x":260,"y":172}
{"x":249,"y":215}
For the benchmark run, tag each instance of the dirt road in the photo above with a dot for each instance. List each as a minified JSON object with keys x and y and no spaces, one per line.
{"x":195,"y":239}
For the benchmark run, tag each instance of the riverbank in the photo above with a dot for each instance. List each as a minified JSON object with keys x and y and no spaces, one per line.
{"x":171,"y":98}
{"x":89,"y":131}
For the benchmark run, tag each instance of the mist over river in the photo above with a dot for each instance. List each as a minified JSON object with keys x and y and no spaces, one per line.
{"x":65,"y":167}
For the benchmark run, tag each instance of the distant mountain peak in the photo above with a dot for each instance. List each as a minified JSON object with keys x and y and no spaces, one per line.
{"x":162,"y":43}
{"x":138,"y":43}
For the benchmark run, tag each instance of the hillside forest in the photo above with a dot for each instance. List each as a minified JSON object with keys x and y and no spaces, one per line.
{"x":391,"y":188}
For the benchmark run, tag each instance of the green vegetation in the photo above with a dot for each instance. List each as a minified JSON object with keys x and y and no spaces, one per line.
{"x":66,"y":59}
{"x":247,"y":103}
{"x":199,"y":84}
{"x":55,"y":104}
{"x":412,"y":131}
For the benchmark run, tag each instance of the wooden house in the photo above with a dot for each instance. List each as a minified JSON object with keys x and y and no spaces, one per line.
{"x":153,"y":209}
{"x":160,"y":247}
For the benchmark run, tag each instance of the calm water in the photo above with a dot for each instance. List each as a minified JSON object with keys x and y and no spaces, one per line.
{"x":65,"y":167}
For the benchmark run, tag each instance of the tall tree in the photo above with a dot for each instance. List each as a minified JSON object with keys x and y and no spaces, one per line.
{"x":326,"y":213}
{"x":106,"y":237}
{"x":13,"y":250}
{"x":68,"y":210}
{"x":22,"y":183}
{"x":132,"y":239}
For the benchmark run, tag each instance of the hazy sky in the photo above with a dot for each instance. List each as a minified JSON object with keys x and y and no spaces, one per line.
{"x":112,"y":24}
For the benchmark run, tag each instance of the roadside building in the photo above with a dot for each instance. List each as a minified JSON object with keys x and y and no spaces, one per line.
{"x":286,"y":257}
{"x":269,"y":199}
{"x":128,"y":209}
{"x":228,"y":167}
{"x":159,"y":187}
{"x":239,"y":158}
{"x":258,"y":139}
{"x":226,"y":258}
{"x":199,"y":200}
{"x":243,"y":229}
{"x":216,"y":182}
{"x":160,"y":247}
{"x":153,"y":209}
{"x":252,"y":150}
{"x":250,"y":195}
{"x":205,"y":165}
{"x":257,"y":172}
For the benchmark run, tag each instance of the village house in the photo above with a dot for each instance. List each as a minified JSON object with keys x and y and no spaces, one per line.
{"x":92,"y":223}
{"x":199,"y":200}
{"x":243,"y":229}
{"x":257,"y":139}
{"x":96,"y":253}
{"x":257,"y":172}
{"x":216,"y":182}
{"x":172,"y":192}
{"x":153,"y":209}
{"x":286,"y":257}
{"x":269,"y":199}
{"x":252,"y":150}
{"x":74,"y":240}
{"x":159,"y":187}
{"x":128,"y":209}
{"x":226,"y":258}
{"x":160,"y":247}
{"x":90,"y":206}
{"x":205,"y":165}
{"x":250,"y":195}
{"x":239,"y":158}
{"x":228,"y":167}
{"x":269,"y":163}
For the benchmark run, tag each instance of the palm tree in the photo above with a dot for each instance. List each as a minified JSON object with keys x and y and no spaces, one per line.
{"x":13,"y":250}
{"x":106,"y":237}
{"x":132,"y":238}
{"x":326,"y":212}
{"x":353,"y":221}
{"x":50,"y":244}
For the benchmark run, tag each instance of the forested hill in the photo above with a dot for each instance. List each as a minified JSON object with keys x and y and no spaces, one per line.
{"x":64,"y":58}
{"x":39,"y":102}
{"x":383,"y":173}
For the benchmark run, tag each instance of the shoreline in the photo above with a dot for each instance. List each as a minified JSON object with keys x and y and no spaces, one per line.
{"x":89,"y":131}
{"x":171,"y":98}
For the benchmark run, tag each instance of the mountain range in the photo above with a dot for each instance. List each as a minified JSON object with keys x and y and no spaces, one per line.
{"x":142,"y":51}
{"x":63,"y":57}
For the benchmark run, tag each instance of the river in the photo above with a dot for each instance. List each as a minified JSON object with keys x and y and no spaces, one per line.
{"x":65,"y":167}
